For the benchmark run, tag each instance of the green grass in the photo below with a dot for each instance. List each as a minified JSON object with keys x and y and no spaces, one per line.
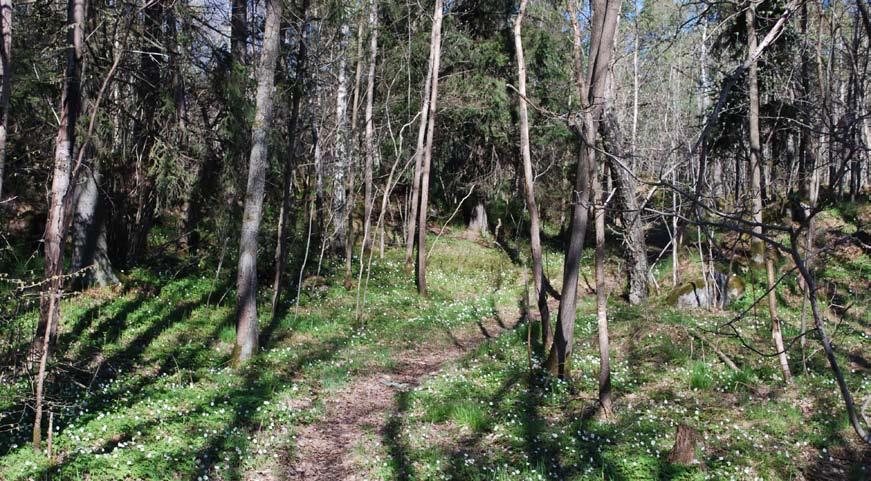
{"x":148,"y":394}
{"x":164,"y":403}
{"x":755,"y":427}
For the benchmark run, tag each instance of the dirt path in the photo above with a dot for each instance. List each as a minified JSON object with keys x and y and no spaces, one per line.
{"x":325,"y":449}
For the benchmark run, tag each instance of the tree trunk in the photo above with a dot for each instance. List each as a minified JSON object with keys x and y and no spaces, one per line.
{"x":290,"y":165}
{"x":6,"y":72}
{"x":427,"y":152}
{"x":776,"y":333}
{"x":478,"y":219}
{"x":55,"y":228}
{"x":757,"y":245}
{"x":591,"y":89}
{"x":528,"y":182}
{"x":369,"y":141}
{"x":90,"y":252}
{"x":633,"y":225}
{"x":353,"y":156}
{"x":246,"y":296}
{"x":418,"y":158}
{"x":684,"y":450}
{"x":602,"y":297}
{"x":148,"y":98}
{"x":340,"y":204}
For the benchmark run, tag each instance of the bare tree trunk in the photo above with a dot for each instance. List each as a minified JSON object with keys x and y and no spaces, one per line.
{"x":602,"y":297}
{"x":55,"y":228}
{"x":776,"y":333}
{"x":758,"y":251}
{"x":6,"y":72}
{"x":427,"y":152}
{"x":591,"y":89}
{"x":418,"y":159}
{"x":246,"y":296}
{"x":369,"y":141}
{"x":757,"y":246}
{"x":340,"y":201}
{"x":528,"y":180}
{"x":290,"y":165}
{"x":353,"y":155}
{"x":633,"y":225}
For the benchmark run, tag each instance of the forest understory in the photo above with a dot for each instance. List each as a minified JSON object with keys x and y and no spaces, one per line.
{"x":421,"y":240}
{"x":438,"y":388}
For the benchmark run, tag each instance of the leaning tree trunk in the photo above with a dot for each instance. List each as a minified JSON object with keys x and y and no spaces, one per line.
{"x":528,"y":182}
{"x":55,"y":228}
{"x":289,"y":166}
{"x":633,"y":225}
{"x":427,"y":151}
{"x":6,"y":72}
{"x":246,"y":296}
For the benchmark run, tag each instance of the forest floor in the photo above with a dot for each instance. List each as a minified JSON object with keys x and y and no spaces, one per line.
{"x":438,"y":388}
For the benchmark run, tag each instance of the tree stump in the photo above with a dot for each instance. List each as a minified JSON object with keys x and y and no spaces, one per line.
{"x":685,"y":442}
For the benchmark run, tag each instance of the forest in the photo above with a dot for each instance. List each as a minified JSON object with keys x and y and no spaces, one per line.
{"x":435,"y":240}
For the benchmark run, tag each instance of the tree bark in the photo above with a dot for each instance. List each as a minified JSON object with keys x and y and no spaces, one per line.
{"x":529,"y":184}
{"x":340,"y":201}
{"x":246,"y":296}
{"x":427,"y":152}
{"x":290,"y":164}
{"x":148,"y":99}
{"x":633,"y":225}
{"x":55,"y":228}
{"x":90,"y":252}
{"x":239,"y":31}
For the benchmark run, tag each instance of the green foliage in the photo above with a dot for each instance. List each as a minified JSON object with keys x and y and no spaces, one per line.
{"x":701,"y":376}
{"x":626,"y":465}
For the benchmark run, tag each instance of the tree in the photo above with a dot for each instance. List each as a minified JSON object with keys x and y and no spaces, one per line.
{"x":62,"y":177}
{"x":541,"y":292}
{"x":369,"y":139}
{"x":427,"y":150}
{"x":246,"y":281}
{"x":591,"y":89}
{"x":411,"y":231}
{"x":342,"y":159}
{"x":758,"y":250}
{"x":290,"y":164}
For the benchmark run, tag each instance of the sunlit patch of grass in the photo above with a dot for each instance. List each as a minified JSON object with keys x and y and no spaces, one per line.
{"x":165,"y":404}
{"x":701,"y":376}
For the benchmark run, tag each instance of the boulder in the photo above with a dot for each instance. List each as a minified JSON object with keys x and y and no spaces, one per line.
{"x":719,"y":291}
